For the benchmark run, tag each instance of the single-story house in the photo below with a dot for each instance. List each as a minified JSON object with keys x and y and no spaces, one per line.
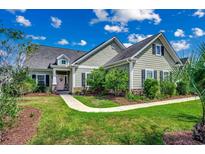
{"x":67,"y":70}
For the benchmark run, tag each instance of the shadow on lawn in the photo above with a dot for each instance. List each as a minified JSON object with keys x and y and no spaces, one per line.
{"x":187,"y":117}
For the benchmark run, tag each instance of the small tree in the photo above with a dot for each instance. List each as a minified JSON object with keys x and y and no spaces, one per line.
{"x":167,"y":88}
{"x":116,"y":80}
{"x":14,"y":48}
{"x":151,"y":88}
{"x":195,"y":71}
{"x":96,"y":80}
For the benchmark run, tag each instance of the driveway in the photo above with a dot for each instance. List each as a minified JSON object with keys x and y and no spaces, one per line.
{"x":77,"y":105}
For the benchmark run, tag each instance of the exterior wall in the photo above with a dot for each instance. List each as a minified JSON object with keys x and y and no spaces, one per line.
{"x":147,"y":60}
{"x":78,"y":76}
{"x":103,"y":56}
{"x":43,"y":72}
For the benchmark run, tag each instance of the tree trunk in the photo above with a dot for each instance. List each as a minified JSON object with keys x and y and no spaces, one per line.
{"x":199,"y":128}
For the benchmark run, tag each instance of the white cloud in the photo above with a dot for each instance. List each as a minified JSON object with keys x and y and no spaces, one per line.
{"x":13,"y":11}
{"x":23,"y":21}
{"x":115,"y":28}
{"x":179,"y":33}
{"x":127,"y":44}
{"x":63,"y":42}
{"x":36,"y":37}
{"x":162,"y":30}
{"x":134,"y":38}
{"x":180,"y":45}
{"x":3,"y":53}
{"x":101,"y":15}
{"x":56,"y":22}
{"x":200,"y":13}
{"x":198,"y":32}
{"x":124,"y":16}
{"x":82,"y":43}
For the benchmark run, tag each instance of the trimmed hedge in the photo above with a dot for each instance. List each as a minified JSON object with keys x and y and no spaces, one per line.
{"x":151,"y":88}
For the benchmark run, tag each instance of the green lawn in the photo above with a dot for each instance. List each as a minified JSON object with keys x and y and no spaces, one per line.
{"x":62,"y":125}
{"x":96,"y":101}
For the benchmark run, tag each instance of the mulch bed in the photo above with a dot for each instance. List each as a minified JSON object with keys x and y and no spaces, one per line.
{"x":24,"y":128}
{"x":124,"y":101}
{"x":180,"y":138}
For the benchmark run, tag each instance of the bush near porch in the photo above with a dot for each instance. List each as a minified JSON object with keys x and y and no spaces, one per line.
{"x":102,"y":82}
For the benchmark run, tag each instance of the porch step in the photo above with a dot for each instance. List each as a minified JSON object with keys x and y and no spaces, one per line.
{"x":62,"y":92}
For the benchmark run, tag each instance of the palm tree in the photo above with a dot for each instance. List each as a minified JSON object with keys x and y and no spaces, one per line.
{"x":195,"y":73}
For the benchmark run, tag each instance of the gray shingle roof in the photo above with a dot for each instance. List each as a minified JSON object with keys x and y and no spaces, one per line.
{"x":130,"y":51}
{"x":45,"y":55}
{"x":184,"y":60}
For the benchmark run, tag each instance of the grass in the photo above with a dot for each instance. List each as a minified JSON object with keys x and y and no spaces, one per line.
{"x":62,"y":125}
{"x":96,"y":101}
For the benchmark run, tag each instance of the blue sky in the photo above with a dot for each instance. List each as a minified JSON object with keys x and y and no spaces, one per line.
{"x":84,"y":29}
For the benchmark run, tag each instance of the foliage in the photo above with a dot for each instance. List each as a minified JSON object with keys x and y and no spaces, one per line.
{"x":182,"y":87}
{"x":96,"y":80}
{"x":151,"y":88}
{"x":14,"y":48}
{"x":167,"y":88}
{"x":116,"y":80}
{"x":132,"y":97}
{"x":195,"y":71}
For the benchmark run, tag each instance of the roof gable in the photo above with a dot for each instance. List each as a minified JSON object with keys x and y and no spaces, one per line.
{"x":98,"y":48}
{"x":134,"y":50}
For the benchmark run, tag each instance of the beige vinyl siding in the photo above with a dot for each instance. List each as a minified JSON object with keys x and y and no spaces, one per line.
{"x":103,"y":56}
{"x":43,"y":72}
{"x":78,"y":75}
{"x":147,"y":60}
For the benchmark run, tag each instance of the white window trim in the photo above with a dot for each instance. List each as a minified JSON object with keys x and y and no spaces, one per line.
{"x":37,"y":78}
{"x":164,"y":71}
{"x":86,"y":76}
{"x":149,"y":70}
{"x":156,"y":50}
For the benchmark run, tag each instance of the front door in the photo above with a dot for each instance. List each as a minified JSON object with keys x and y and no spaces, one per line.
{"x":60,"y":82}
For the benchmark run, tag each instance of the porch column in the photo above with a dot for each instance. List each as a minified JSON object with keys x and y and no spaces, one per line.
{"x":131,"y":74}
{"x":73,"y":79}
{"x":54,"y":83}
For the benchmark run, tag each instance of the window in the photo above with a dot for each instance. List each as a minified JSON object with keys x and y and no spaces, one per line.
{"x":149,"y":74}
{"x":158,"y":50}
{"x":41,"y":79}
{"x":87,"y":76}
{"x":63,"y":61}
{"x":165,"y":75}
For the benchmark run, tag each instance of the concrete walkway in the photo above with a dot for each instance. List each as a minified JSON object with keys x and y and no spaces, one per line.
{"x":77,"y":105}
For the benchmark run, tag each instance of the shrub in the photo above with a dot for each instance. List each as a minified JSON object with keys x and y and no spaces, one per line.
{"x":96,"y":80}
{"x":132,"y":97}
{"x":182,"y":87}
{"x":151,"y":88}
{"x":167,"y":88}
{"x":27,"y":86}
{"x":116,"y":80}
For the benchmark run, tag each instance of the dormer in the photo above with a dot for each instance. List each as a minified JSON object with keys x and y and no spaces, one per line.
{"x":63,"y":60}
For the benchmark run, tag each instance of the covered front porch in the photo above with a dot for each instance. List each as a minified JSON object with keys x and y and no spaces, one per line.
{"x":62,"y":80}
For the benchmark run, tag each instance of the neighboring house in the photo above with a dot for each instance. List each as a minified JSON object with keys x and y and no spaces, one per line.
{"x":64,"y":69}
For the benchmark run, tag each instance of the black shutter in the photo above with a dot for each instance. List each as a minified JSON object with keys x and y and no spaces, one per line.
{"x":162,"y":50}
{"x":47,"y":80}
{"x":153,"y":49}
{"x":170,"y":76}
{"x":34,"y":76}
{"x":161,"y":75}
{"x":155,"y":74}
{"x":143,"y":77}
{"x":83,"y":79}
